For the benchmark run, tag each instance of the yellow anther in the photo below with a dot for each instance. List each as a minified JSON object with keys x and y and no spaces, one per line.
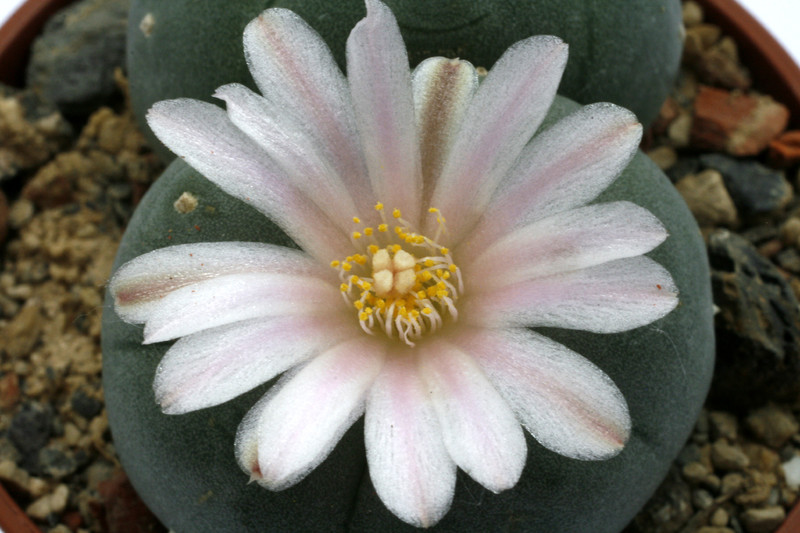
{"x":358,"y":304}
{"x":396,"y":213}
{"x":362,"y":316}
{"x":356,"y":235}
{"x":346,"y":267}
{"x":441,"y":293}
{"x":380,"y":303}
{"x":379,"y":206}
{"x":373,"y":249}
{"x":444,"y":250}
{"x":354,"y":278}
{"x":383,"y":228}
{"x":426,"y":276}
{"x":429,"y":262}
{"x":360,"y":259}
{"x":396,"y":248}
{"x":427,"y":310}
{"x":433,"y":210}
{"x":343,"y":287}
{"x":357,"y":220}
{"x":368,"y":231}
{"x":421,"y":294}
{"x":414,"y":313}
{"x":445,"y":275}
{"x":366,"y":285}
{"x":335,"y":264}
{"x":452,"y":268}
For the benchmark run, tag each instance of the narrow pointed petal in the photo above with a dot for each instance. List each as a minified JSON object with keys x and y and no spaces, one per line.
{"x":297,"y":424}
{"x":480,"y":431}
{"x":288,"y":143}
{"x":202,"y":134}
{"x":506,"y":111}
{"x":608,"y":298}
{"x":564,"y":167}
{"x":571,"y":240}
{"x":214,"y":366}
{"x":139,"y":286}
{"x":565,"y":401}
{"x":227,"y":299}
{"x":294,"y":69}
{"x":443,"y":89}
{"x":380,"y":84}
{"x":408,"y":461}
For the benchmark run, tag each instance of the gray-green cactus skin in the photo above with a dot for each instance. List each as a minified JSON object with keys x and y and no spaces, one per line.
{"x":184,"y":466}
{"x":621,"y":51}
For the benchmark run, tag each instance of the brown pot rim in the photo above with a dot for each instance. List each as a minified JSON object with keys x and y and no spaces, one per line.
{"x":17,"y":35}
{"x":773,"y":69}
{"x":12,"y":518}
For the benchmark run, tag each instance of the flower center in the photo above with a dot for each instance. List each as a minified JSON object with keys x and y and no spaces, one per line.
{"x":400,"y":282}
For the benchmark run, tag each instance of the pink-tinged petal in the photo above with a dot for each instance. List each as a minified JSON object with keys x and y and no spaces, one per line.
{"x":204,"y":136}
{"x":139,"y":285}
{"x":506,"y":111}
{"x":214,"y":366}
{"x":608,"y":298}
{"x":380,"y":84}
{"x":408,"y":462}
{"x":480,"y":431}
{"x":443,"y":89}
{"x":564,"y":167}
{"x":294,"y":69}
{"x":570,"y":240}
{"x":227,"y":299}
{"x":297,"y":424}
{"x":288,"y":143}
{"x":565,"y":401}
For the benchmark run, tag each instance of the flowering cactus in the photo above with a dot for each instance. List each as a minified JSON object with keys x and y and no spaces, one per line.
{"x":419,"y":322}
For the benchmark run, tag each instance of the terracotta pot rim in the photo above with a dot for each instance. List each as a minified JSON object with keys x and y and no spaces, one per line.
{"x":12,"y":518}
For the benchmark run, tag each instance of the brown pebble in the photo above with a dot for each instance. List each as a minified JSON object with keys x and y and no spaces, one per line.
{"x":790,"y":232}
{"x":694,"y":472}
{"x":23,"y":330}
{"x":9,"y":390}
{"x":692,"y":13}
{"x":785,"y":150}
{"x":728,"y":457}
{"x":772,"y":425}
{"x":738,"y":123}
{"x":763,"y":520}
{"x":720,"y":517}
{"x":54,"y":502}
{"x":723,"y":425}
{"x":663,"y":156}
{"x":770,"y":248}
{"x":714,"y":529}
{"x":708,"y":199}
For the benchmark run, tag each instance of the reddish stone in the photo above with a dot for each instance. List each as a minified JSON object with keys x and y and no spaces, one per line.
{"x":785,"y":150}
{"x":9,"y":390}
{"x":124,"y":510}
{"x":738,"y":123}
{"x":72,"y":520}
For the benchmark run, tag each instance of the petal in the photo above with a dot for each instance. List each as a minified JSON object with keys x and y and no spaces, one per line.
{"x":608,"y":298}
{"x":408,"y":462}
{"x":140,"y":284}
{"x":294,"y":69}
{"x":480,"y":431}
{"x":227,"y":299}
{"x":506,"y":111}
{"x":571,"y":240}
{"x":564,"y":167}
{"x":216,"y":365}
{"x":443,"y":89}
{"x":297,"y":424}
{"x":202,"y":134}
{"x":566,"y":402}
{"x":283,"y":138}
{"x":380,"y":84}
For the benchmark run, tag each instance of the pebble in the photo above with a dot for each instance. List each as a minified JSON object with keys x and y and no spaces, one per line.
{"x":772,"y":425}
{"x":737,"y":123}
{"x":726,"y":456}
{"x":785,"y":150}
{"x":719,"y":518}
{"x":714,"y":529}
{"x":22,"y":332}
{"x":663,"y":156}
{"x":791,"y":472}
{"x":53,"y":503}
{"x":723,"y":425}
{"x":754,"y":188}
{"x":692,"y":13}
{"x":31,"y":427}
{"x":708,"y":199}
{"x":85,"y":405}
{"x":763,"y":520}
{"x":757,"y":326}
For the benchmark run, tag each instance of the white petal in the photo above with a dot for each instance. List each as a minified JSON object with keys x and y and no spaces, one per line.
{"x":505,"y":112}
{"x":297,"y":424}
{"x":480,"y":431}
{"x":380,"y":84}
{"x":213,"y":366}
{"x":204,"y":136}
{"x":140,"y":284}
{"x":608,"y":298}
{"x":295,"y":70}
{"x":566,"y":402}
{"x":571,"y":240}
{"x":408,"y":463}
{"x":289,"y":144}
{"x":564,"y":167}
{"x":443,"y":89}
{"x":227,"y":299}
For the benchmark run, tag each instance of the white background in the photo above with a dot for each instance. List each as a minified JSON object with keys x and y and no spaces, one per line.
{"x":781,"y":18}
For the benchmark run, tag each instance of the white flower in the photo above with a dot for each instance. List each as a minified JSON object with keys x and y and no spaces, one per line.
{"x":391,"y":311}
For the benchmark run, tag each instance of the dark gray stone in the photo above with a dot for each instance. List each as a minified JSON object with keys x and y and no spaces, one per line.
{"x":85,"y":405}
{"x":73,"y":61}
{"x":757,"y":327}
{"x":31,"y":428}
{"x":755,"y":189}
{"x":55,"y":463}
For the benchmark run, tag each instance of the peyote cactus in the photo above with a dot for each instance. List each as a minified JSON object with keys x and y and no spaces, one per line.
{"x":625,"y":52}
